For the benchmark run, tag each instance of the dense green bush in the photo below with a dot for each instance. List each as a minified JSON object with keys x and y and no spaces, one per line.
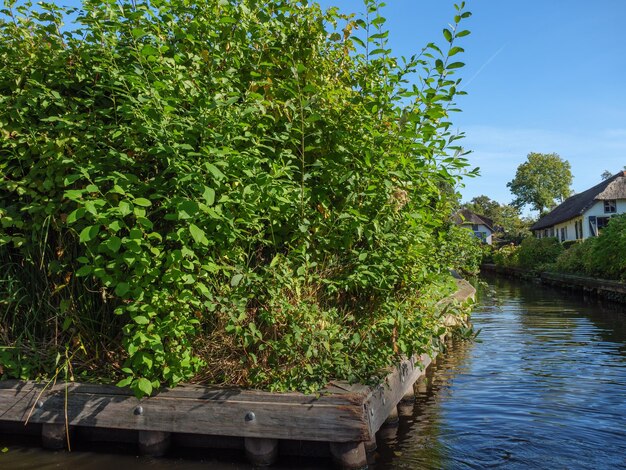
{"x":538,"y":253}
{"x":579,"y":259}
{"x":567,"y":244}
{"x":461,"y":250}
{"x":609,"y":252}
{"x":232,"y":191}
{"x":507,"y":256}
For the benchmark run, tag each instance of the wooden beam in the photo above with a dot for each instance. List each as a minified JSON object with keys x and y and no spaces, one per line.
{"x":198,"y":410}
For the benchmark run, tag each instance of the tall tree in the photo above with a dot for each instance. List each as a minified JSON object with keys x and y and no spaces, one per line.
{"x":541,"y":181}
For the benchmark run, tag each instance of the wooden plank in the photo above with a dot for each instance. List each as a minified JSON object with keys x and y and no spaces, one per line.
{"x":323,"y":419}
{"x":338,"y":393}
{"x":383,"y":399}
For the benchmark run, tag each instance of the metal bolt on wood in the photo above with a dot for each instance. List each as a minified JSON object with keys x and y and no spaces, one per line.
{"x":250,"y":416}
{"x":139,"y":410}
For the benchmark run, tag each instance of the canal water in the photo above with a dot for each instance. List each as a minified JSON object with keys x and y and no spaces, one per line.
{"x":542,"y":386}
{"x":545,"y":387}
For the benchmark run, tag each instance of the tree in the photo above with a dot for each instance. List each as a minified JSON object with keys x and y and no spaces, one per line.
{"x":540,"y":181}
{"x":483,"y":205}
{"x":606,"y":174}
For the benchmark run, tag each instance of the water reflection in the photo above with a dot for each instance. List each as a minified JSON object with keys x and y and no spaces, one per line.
{"x":545,"y":388}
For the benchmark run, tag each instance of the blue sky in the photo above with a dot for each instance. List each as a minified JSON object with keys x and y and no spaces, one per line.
{"x":541,"y":76}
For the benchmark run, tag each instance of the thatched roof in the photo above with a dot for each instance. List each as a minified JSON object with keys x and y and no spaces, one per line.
{"x":467,"y":217}
{"x":575,"y":206}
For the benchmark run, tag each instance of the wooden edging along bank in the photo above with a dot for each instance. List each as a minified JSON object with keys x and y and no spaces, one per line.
{"x":604,"y":288}
{"x":343,"y":420}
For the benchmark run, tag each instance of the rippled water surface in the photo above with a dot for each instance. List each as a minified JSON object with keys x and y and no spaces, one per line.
{"x":544,"y":388}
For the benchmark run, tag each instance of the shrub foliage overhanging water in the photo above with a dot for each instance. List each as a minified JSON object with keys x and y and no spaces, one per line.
{"x":236,"y":191}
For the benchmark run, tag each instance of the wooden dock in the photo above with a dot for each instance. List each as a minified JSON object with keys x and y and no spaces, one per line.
{"x":344,"y":418}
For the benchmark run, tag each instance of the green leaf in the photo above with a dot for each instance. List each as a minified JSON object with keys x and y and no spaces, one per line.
{"x":209,"y":195}
{"x":460,"y":34}
{"x":145,"y":386}
{"x":215,"y":171}
{"x":143,"y":202}
{"x":125,"y":382}
{"x":141,"y":320}
{"x":114,"y":243}
{"x":198,"y":234}
{"x":236,"y":279}
{"x":138,"y":32}
{"x":84,"y":271}
{"x":149,"y":50}
{"x":447,"y":34}
{"x":76,"y":215}
{"x":89,"y":233}
{"x":455,"y":65}
{"x":121,"y":289}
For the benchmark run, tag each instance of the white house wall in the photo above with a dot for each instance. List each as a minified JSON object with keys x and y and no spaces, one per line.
{"x":482,"y":228}
{"x":598,"y":210}
{"x":571,"y":229}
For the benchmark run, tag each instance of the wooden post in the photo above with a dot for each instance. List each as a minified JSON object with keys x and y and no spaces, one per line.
{"x":154,"y":443}
{"x":371,"y":445}
{"x":406,"y":405}
{"x":261,"y":452}
{"x":392,"y":419}
{"x":53,"y":436}
{"x":349,"y":455}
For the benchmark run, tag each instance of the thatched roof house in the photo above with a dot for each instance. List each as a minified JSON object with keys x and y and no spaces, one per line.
{"x":583,"y":214}
{"x":481,"y":226}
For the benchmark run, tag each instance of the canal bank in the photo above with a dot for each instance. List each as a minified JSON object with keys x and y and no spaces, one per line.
{"x":542,"y":387}
{"x":604,"y":288}
{"x":341,"y":422}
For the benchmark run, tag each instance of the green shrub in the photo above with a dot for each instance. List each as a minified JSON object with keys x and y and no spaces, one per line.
{"x":539,"y":252}
{"x":578,"y":259}
{"x":222,"y":190}
{"x":567,"y":244}
{"x":459,"y":249}
{"x":507,"y":256}
{"x":610,"y":249}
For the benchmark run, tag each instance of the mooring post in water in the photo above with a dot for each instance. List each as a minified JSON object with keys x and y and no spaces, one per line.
{"x":53,"y":436}
{"x":407,"y":403}
{"x":349,"y":455}
{"x":393,"y":418}
{"x":371,"y":445}
{"x":154,"y":443}
{"x":261,"y":452}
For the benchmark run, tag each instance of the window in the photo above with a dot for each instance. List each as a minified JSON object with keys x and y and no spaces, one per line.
{"x":563,"y":234}
{"x":610,"y":206}
{"x":578,"y":226}
{"x":597,"y":223}
{"x":475,"y":227}
{"x":481,"y":236}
